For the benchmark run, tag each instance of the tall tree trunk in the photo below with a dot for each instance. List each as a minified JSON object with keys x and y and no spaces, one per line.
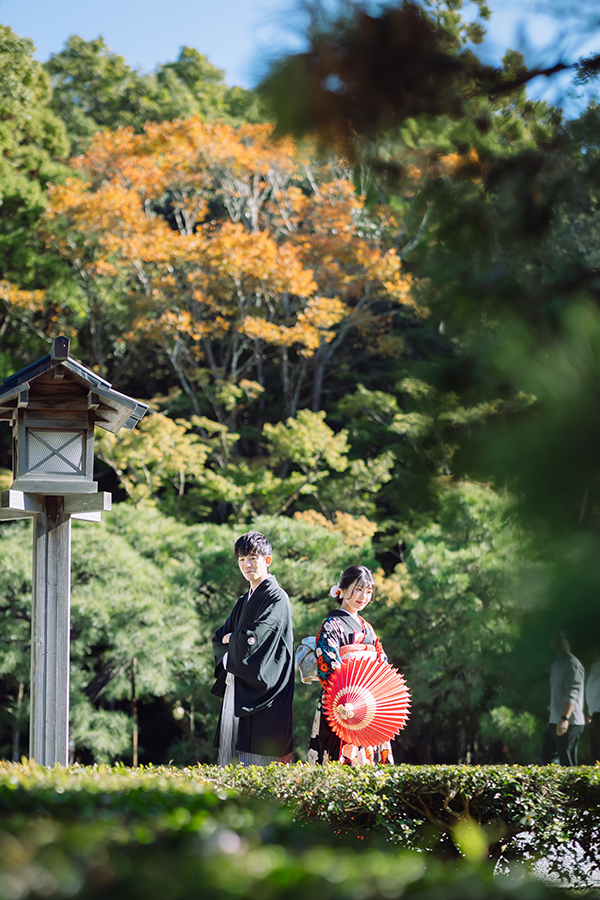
{"x":321,"y":358}
{"x":299,"y":382}
{"x":179,"y":371}
{"x":17,"y":728}
{"x":192,"y":720}
{"x":285,"y":378}
{"x":262,"y":400}
{"x":134,"y":712}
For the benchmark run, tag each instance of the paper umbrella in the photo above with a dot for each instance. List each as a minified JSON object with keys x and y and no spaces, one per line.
{"x":366,"y":702}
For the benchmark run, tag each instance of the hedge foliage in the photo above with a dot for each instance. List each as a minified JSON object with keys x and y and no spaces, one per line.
{"x":174,"y":834}
{"x":504,"y":813}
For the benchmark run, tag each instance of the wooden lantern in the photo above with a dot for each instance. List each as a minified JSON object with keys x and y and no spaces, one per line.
{"x":53,"y":406}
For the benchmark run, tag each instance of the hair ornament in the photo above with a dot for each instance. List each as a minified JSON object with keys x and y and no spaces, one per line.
{"x":335,"y":591}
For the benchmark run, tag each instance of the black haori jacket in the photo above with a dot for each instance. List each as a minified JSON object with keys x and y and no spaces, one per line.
{"x":261,"y":656}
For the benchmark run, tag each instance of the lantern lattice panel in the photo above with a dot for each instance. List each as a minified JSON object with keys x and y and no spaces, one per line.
{"x":56,"y":452}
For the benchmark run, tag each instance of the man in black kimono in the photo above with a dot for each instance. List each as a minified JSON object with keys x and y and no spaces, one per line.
{"x":254,"y":668}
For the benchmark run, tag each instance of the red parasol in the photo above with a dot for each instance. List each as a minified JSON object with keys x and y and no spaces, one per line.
{"x":366,"y":702}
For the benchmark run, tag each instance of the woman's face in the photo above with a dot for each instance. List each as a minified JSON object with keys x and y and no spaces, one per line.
{"x":355,"y":597}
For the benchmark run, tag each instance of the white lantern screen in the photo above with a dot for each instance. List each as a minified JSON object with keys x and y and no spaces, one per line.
{"x":55,"y":452}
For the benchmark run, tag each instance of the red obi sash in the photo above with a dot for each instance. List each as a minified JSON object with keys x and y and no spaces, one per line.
{"x":355,"y":651}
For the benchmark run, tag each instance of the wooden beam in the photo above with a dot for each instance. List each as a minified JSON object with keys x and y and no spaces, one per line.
{"x":11,"y":515}
{"x":21,"y":505}
{"x":53,"y":486}
{"x":65,"y":403}
{"x":13,"y":394}
{"x":87,"y":516}
{"x":87,"y":503}
{"x":18,"y":501}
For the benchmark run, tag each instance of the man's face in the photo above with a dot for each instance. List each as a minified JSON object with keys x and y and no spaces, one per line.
{"x":254,"y":567}
{"x":561,"y":645}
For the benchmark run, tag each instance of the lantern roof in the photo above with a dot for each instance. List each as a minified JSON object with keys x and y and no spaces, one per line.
{"x":114,"y":410}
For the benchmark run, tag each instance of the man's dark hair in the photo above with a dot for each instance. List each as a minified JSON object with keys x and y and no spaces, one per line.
{"x":253,"y":542}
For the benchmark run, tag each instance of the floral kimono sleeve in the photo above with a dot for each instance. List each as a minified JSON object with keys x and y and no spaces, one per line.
{"x":373,"y":639}
{"x":328,"y":649}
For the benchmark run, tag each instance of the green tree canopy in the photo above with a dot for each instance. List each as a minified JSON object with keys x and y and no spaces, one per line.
{"x":33,"y":145}
{"x":451,"y":626}
{"x":509,"y":259}
{"x":94,"y":89}
{"x":32,"y":142}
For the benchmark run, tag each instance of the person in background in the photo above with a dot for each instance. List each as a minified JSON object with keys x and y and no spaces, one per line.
{"x":559,"y":744}
{"x":254,"y":665}
{"x":592,"y":701}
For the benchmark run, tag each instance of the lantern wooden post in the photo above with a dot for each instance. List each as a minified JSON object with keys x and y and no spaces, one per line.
{"x":53,"y":406}
{"x":50,"y":630}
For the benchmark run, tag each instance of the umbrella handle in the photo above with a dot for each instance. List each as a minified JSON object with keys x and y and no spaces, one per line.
{"x":345,"y":711}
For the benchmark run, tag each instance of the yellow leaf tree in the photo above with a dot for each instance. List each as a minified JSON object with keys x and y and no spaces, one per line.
{"x":235,"y":255}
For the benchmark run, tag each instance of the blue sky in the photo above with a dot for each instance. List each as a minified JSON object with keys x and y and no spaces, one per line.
{"x":239,"y":35}
{"x":234,"y":34}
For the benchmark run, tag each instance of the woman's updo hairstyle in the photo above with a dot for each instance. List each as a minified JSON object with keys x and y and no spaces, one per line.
{"x":359,"y":574}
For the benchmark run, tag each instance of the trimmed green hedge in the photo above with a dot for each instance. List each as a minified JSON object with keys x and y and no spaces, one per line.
{"x":169,"y":834}
{"x":521,"y":812}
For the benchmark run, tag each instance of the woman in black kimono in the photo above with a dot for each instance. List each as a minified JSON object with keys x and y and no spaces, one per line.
{"x":344,"y":627}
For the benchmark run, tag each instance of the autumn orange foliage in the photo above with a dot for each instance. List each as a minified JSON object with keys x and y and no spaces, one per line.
{"x":232,"y":247}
